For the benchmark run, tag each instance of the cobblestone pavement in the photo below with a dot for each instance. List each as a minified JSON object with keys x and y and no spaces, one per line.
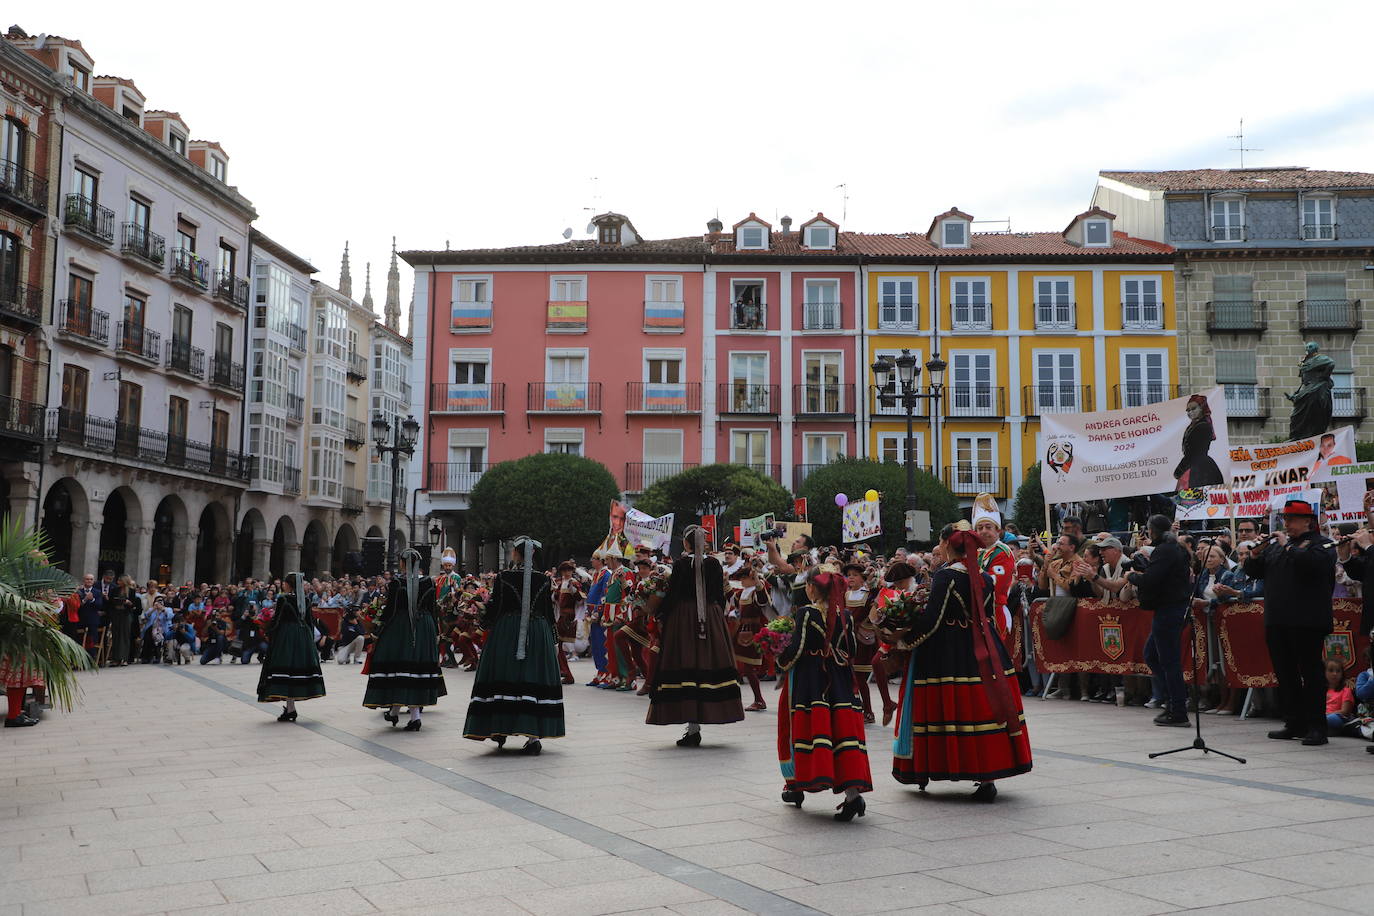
{"x":168,"y":790}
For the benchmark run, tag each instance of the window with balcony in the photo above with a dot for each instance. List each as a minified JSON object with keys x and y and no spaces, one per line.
{"x":467,"y":459}
{"x":1228,"y":219}
{"x":1142,"y":308}
{"x":1056,"y":382}
{"x":130,"y":405}
{"x":1238,"y":375}
{"x":13,"y":150}
{"x":749,"y":389}
{"x":975,"y":464}
{"x":1319,"y":218}
{"x":747,"y":301}
{"x":567,"y":304}
{"x":969,"y":301}
{"x":139,"y":214}
{"x":86,"y":185}
{"x":1233,"y":302}
{"x":892,"y":448}
{"x":1144,"y":377}
{"x":1054,"y":306}
{"x":326,"y":465}
{"x":822,"y":448}
{"x":131,"y":338}
{"x":564,"y":441}
{"x":972,"y":391}
{"x":821,"y":308}
{"x":1346,"y":400}
{"x":750,"y":447}
{"x":664,"y":309}
{"x":664,"y":387}
{"x":662,"y":458}
{"x":75,"y":388}
{"x":565,"y":380}
{"x":178,"y":417}
{"x":897,"y":303}
{"x":822,"y":391}
{"x":471,"y":307}
{"x":10,"y":272}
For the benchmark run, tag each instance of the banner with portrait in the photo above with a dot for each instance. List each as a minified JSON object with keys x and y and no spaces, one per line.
{"x":751,"y":528}
{"x":861,"y":520}
{"x":1136,"y":451}
{"x":616,"y":540}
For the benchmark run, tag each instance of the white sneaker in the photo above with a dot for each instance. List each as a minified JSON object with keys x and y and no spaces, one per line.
{"x":1152,"y":703}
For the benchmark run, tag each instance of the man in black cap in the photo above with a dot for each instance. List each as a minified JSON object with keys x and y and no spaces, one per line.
{"x":1299,"y":576}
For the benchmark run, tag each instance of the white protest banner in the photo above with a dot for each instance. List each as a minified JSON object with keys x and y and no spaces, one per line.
{"x":751,"y":528}
{"x":1158,"y":448}
{"x":1353,"y":482}
{"x":1316,"y":458}
{"x":860,"y":521}
{"x":646,"y":531}
{"x":1209,"y":504}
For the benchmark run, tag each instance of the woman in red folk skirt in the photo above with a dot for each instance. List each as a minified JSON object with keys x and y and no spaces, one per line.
{"x":961,"y":712}
{"x":820,"y":723}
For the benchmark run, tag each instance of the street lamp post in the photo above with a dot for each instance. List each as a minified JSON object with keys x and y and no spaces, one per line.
{"x":898,"y":381}
{"x":395,"y":441}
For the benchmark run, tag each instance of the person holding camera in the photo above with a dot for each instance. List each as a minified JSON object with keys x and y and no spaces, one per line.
{"x":1164,"y":587}
{"x":1299,"y":577}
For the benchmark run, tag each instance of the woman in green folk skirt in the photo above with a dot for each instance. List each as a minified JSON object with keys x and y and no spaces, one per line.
{"x":519,"y":689}
{"x":291,"y":670}
{"x":403,"y":669}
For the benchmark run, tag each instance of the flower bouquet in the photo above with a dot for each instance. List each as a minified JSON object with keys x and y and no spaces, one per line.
{"x":899,"y":614}
{"x":645,"y":588}
{"x":775,"y":637}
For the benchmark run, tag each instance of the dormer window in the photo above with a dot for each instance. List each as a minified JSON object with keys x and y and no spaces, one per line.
{"x":132,"y":114}
{"x":1319,"y":218}
{"x":609,"y":234}
{"x":819,"y":235}
{"x":1228,"y":219}
{"x":752,"y":237}
{"x":218,"y":168}
{"x":81,"y":77}
{"x":954,"y":234}
{"x":177,"y":142}
{"x":1097,"y":233}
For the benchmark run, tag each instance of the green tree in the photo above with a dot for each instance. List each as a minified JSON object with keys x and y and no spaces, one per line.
{"x":730,"y":491}
{"x":1029,"y":515}
{"x":562,"y":501}
{"x":29,"y":635}
{"x":856,"y":476}
{"x":1364,"y":451}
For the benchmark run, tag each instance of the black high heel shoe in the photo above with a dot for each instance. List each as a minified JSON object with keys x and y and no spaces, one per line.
{"x":499,"y":739}
{"x":985,"y":792}
{"x":413,"y":725}
{"x":793,"y":797}
{"x":532,"y":748}
{"x":691,"y":739}
{"x":287,"y":716}
{"x":391,"y":717}
{"x":847,"y":811}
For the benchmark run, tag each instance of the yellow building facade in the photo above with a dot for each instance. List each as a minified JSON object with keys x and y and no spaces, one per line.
{"x":1028,"y":324}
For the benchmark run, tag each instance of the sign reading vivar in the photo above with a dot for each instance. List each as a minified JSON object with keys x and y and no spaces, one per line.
{"x":1154,"y":448}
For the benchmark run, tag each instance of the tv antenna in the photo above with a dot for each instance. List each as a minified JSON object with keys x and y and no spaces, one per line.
{"x":1240,"y":147}
{"x":843,"y":187}
{"x":595,"y":208}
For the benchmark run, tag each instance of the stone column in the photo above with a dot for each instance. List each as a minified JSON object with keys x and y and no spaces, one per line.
{"x":138,"y":544}
{"x":291,"y":559}
{"x":86,"y":553}
{"x":183,"y":555}
{"x":262,"y":558}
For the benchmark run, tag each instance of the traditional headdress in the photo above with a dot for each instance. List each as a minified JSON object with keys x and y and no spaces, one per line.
{"x":449,"y":557}
{"x":985,"y":507}
{"x":527,"y":546}
{"x":695,"y":535}
{"x":1201,"y":401}
{"x":412,"y":558}
{"x":965,"y":546}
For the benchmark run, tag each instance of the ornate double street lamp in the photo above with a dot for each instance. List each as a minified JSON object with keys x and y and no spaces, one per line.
{"x":897,"y":380}
{"x":395,"y":441}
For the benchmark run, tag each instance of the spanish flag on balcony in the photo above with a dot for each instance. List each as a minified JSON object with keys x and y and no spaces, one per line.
{"x":666,"y":315}
{"x":472,"y":315}
{"x":567,"y":316}
{"x":466,"y":397}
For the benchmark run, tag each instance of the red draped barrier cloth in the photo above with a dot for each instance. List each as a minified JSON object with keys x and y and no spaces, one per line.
{"x":1106,"y":638}
{"x":329,"y":619}
{"x":1240,"y":631}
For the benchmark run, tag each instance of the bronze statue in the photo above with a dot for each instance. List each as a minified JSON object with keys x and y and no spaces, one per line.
{"x":1312,"y":401}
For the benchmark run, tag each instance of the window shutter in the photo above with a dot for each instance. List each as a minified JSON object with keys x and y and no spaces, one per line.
{"x":467,"y":438}
{"x":1342,"y":359}
{"x":1232,"y":288}
{"x":1236,"y":367}
{"x":662,"y":446}
{"x":1326,"y":286}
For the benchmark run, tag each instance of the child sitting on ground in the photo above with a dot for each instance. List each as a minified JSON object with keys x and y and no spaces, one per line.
{"x":1340,"y":699}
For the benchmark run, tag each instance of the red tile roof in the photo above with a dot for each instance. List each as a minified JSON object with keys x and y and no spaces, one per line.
{"x":1010,"y":245}
{"x":1286,"y":178}
{"x":752,"y":218}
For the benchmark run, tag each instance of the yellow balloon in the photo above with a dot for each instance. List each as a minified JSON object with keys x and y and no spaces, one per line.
{"x":871,"y":496}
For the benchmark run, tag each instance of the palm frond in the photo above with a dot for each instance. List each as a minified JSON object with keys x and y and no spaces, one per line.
{"x":29,"y":635}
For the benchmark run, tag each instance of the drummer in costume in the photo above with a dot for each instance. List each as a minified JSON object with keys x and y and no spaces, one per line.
{"x":518,"y":690}
{"x":620,"y":668}
{"x":403,"y":668}
{"x":961,"y":712}
{"x":858,"y":601}
{"x":696,"y":683}
{"x":751,"y":605}
{"x":291,"y":670}
{"x":995,"y":558}
{"x":569,"y":594}
{"x":820,"y":727}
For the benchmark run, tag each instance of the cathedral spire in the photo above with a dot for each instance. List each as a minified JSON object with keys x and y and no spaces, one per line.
{"x":393,"y":293}
{"x":367,"y":289}
{"x":345,"y":277}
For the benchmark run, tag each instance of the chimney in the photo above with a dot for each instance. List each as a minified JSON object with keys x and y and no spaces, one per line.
{"x":715,"y":226}
{"x":786,"y":222}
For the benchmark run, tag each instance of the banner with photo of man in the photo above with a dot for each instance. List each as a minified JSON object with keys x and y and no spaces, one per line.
{"x":1136,"y":451}
{"x":643,"y":530}
{"x":751,"y":528}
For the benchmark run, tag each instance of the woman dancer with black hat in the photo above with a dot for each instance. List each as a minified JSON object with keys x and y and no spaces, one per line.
{"x":695,"y":682}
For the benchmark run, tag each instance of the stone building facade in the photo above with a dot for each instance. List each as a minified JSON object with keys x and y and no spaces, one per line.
{"x":1267,"y":260}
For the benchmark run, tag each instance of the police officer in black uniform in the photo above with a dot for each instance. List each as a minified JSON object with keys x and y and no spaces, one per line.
{"x":1299,"y":576}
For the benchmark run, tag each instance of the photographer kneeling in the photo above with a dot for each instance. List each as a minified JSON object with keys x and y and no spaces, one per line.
{"x":1163,"y":587}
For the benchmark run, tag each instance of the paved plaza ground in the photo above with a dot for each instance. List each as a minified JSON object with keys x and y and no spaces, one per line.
{"x":168,"y":790}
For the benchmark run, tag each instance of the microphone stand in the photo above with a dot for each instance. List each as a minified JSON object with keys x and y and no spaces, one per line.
{"x":1199,"y":743}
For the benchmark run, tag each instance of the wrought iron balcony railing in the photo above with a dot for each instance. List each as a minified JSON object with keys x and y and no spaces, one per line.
{"x":352,"y":501}
{"x":974,"y":401}
{"x":822,"y":316}
{"x":663,"y":397}
{"x":77,"y":429}
{"x":748,"y":316}
{"x":355,"y":432}
{"x":640,"y":476}
{"x":563,"y":397}
{"x":291,"y":481}
{"x":455,"y":477}
{"x":231,"y":289}
{"x":1140,"y":394}
{"x":357,"y":367}
{"x":1037,"y":400}
{"x":184,"y":358}
{"x":1237,"y":317}
{"x":1329,"y":315}
{"x":190,"y":268}
{"x":1247,"y":402}
{"x":467,"y":397}
{"x":89,"y":218}
{"x":20,"y":303}
{"x":225,"y":373}
{"x":78,"y":320}
{"x":143,"y":245}
{"x":137,"y":341}
{"x":295,"y":408}
{"x":823,"y":400}
{"x":1348,"y":403}
{"x":1053,"y":315}
{"x":970,"y":480}
{"x":296,"y":334}
{"x":22,"y":420}
{"x":747,"y":398}
{"x":23,"y":190}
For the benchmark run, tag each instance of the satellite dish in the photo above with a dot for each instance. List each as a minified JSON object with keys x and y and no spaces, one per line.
{"x":567,"y":233}
{"x":591,"y":228}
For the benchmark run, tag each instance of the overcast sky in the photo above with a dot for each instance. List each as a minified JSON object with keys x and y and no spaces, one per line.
{"x":477,"y":124}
